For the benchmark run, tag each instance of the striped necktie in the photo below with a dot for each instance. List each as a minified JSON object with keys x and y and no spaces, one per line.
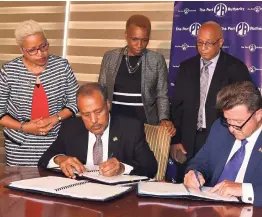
{"x":204,"y":75}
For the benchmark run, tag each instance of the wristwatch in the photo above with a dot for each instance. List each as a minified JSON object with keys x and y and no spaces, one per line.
{"x":58,"y":117}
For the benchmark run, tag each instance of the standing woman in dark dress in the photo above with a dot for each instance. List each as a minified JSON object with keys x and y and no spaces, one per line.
{"x":37,"y":92}
{"x":136,"y":78}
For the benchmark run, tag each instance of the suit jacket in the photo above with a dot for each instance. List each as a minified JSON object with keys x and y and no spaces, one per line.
{"x":211,"y":159}
{"x":186,"y":99}
{"x":154,"y":82}
{"x":130,"y":147}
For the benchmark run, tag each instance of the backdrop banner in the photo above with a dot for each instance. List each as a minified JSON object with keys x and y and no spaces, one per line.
{"x":242,"y":28}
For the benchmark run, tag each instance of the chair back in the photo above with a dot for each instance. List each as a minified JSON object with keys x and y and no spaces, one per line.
{"x":159,"y":142}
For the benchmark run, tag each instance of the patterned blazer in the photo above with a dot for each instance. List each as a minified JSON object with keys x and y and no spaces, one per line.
{"x":154,"y":82}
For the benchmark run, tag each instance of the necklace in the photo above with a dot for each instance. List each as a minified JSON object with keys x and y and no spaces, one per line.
{"x":128,"y":65}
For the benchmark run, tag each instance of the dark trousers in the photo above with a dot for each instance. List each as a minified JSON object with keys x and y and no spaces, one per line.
{"x":200,"y":139}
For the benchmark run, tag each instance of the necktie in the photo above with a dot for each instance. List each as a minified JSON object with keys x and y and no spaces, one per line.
{"x":203,"y":90}
{"x":98,"y":150}
{"x":233,"y":165}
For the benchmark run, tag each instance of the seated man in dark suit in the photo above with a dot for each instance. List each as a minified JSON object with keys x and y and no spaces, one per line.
{"x":231,"y":159}
{"x":116,"y":144}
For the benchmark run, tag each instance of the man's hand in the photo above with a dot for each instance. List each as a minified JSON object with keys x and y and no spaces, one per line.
{"x":69,"y":164}
{"x":190,"y":180}
{"x":228,"y":189}
{"x":111,"y":167}
{"x":174,"y":149}
{"x":169,"y":127}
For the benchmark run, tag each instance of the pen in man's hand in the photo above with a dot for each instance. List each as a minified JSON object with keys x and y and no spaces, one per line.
{"x":196,"y":174}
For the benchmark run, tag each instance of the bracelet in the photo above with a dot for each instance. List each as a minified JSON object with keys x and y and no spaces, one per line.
{"x":21,"y":129}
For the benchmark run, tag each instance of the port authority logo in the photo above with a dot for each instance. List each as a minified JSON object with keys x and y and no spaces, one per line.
{"x":184,"y":46}
{"x":252,"y":69}
{"x":186,"y":11}
{"x":193,"y":29}
{"x":221,"y":9}
{"x":257,"y":9}
{"x":242,"y":28}
{"x":251,"y":47}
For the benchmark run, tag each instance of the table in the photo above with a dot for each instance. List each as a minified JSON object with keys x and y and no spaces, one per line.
{"x":23,"y":204}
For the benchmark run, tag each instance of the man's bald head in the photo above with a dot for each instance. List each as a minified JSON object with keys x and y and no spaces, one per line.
{"x":213,"y":27}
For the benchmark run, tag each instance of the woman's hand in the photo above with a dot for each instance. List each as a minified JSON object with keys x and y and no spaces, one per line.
{"x":40,"y":126}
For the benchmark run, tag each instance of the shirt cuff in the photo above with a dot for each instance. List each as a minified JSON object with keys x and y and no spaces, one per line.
{"x":128,"y":169}
{"x":247,"y":193}
{"x":51,"y":163}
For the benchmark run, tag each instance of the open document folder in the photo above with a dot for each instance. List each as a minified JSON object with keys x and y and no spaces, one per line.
{"x":170,"y":190}
{"x":65,"y":187}
{"x":94,"y":175}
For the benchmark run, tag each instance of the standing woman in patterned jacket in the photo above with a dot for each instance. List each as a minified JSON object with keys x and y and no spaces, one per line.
{"x":37,"y":92}
{"x":136,"y":78}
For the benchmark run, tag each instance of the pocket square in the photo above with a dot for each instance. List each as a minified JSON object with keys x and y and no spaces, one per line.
{"x":115,"y":139}
{"x":260,"y":149}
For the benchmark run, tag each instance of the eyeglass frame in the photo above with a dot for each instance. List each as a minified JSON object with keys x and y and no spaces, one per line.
{"x":46,"y":44}
{"x":224,"y":122}
{"x":207,"y":44}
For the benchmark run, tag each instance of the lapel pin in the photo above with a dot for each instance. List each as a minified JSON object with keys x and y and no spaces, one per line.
{"x":115,"y":139}
{"x":260,"y":149}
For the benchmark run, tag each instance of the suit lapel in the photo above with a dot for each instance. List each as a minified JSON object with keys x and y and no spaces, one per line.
{"x":255,"y":158}
{"x":143,"y":74}
{"x":218,"y":75}
{"x":195,"y":77}
{"x":226,"y":146}
{"x":82,"y":147}
{"x":114,"y":139}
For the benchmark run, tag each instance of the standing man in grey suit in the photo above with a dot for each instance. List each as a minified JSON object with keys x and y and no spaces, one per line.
{"x":136,"y":78}
{"x":197,"y":83}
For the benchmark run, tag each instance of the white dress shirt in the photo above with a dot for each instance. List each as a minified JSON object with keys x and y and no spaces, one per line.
{"x":247,"y":188}
{"x":91,"y":141}
{"x":211,"y":70}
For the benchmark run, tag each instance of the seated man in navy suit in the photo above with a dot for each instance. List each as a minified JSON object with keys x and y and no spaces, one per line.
{"x":231,"y":159}
{"x":114,"y":144}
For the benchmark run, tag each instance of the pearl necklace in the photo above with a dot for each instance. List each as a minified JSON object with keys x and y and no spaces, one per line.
{"x":128,"y":65}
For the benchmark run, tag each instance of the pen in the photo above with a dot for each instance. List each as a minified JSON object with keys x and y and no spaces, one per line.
{"x":196,"y":174}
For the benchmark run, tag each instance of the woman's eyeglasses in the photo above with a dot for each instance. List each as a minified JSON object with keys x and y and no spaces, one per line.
{"x":43,"y":47}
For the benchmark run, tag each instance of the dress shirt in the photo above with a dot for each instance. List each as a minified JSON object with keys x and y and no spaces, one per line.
{"x":91,"y":142}
{"x":211,"y":70}
{"x":247,"y":188}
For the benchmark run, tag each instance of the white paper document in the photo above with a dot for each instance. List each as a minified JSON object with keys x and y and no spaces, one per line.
{"x":61,"y":186}
{"x":179,"y":190}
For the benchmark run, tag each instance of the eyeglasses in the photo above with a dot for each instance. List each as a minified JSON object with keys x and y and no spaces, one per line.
{"x":224,"y":122}
{"x":207,"y":44}
{"x":43,"y":47}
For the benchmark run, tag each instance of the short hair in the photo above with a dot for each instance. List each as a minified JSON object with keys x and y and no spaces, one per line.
{"x":239,"y":93}
{"x":88,"y":89}
{"x":140,"y":21}
{"x":26,"y":28}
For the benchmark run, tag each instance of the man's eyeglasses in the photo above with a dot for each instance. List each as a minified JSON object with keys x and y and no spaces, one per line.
{"x":207,"y":44}
{"x":224,"y":122}
{"x":43,"y":47}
